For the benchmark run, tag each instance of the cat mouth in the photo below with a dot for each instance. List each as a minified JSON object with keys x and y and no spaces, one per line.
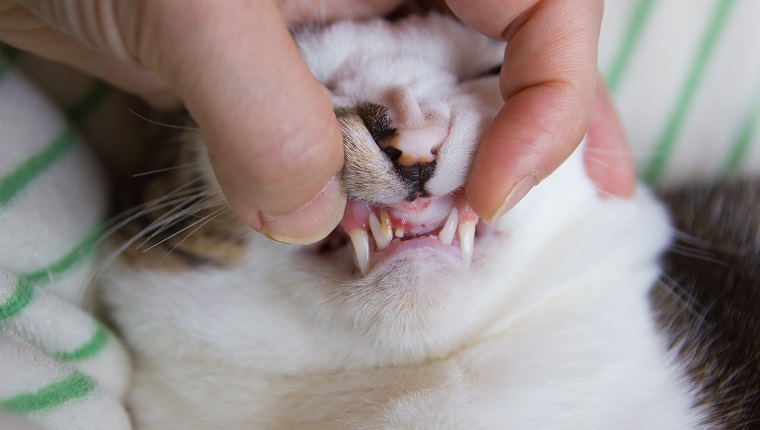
{"x":376,"y":233}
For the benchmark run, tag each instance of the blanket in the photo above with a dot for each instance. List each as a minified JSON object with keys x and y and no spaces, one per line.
{"x":61,"y":368}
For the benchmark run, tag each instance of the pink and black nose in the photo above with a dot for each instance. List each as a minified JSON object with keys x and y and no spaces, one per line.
{"x":413,"y":153}
{"x":412,"y":150}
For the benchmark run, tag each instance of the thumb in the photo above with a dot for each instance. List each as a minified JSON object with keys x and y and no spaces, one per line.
{"x":270,"y":129}
{"x":272,"y":135}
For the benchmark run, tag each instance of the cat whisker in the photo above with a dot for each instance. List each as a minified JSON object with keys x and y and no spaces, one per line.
{"x":142,"y":210}
{"x":121,"y":220}
{"x":175,"y":215}
{"x":115,"y":254}
{"x":124,"y":246}
{"x":181,"y":230}
{"x":128,"y":216}
{"x":682,"y":295}
{"x":179,"y":192}
{"x":727,"y":381}
{"x":693,"y":246}
{"x":697,"y":253}
{"x":161,"y":224}
{"x":693,"y":240}
{"x":180,"y":127}
{"x":119,"y":224}
{"x":203,"y":221}
{"x":191,"y":210}
{"x":166,"y":169}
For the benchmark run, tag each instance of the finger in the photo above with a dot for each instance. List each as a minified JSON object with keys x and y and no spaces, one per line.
{"x":308,"y":11}
{"x":21,"y":28}
{"x":272,"y":136}
{"x":607,"y":156}
{"x":547,"y":81}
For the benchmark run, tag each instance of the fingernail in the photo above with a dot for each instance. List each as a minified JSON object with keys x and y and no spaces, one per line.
{"x":518,"y":192}
{"x":312,"y":222}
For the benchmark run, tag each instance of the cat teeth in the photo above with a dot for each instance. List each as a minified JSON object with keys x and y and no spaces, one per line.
{"x":446,"y":234}
{"x":385,"y":223}
{"x":466,"y":232}
{"x":461,"y":220}
{"x":360,"y":240}
{"x":382,"y":240}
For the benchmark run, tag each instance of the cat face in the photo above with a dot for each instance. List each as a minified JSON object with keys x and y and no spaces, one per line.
{"x":411,"y":272}
{"x":411,"y":117}
{"x":411,"y":120}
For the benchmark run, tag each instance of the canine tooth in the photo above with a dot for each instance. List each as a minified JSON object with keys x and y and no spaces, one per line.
{"x":381,"y":240}
{"x":360,"y":240}
{"x":466,"y":241}
{"x":447,"y":232}
{"x":385,"y":223}
{"x":400,"y":232}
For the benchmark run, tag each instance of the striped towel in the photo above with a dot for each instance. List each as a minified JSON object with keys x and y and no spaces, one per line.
{"x":685,"y":75}
{"x":60,"y":368}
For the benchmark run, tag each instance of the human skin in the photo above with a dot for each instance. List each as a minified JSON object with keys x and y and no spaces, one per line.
{"x":272,"y":135}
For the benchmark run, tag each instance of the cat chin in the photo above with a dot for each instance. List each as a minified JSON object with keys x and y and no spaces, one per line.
{"x":412,"y":254}
{"x":407,"y":283}
{"x":419,"y":265}
{"x":420,"y":303}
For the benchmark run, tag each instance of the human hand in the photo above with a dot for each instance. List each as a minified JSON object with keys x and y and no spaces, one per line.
{"x":272,"y":135}
{"x":548,"y":81}
{"x":281,"y":176}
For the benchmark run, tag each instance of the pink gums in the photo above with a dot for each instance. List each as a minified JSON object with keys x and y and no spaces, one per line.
{"x":422,"y":214}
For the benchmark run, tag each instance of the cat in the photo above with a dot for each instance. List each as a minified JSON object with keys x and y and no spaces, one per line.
{"x":413,"y":313}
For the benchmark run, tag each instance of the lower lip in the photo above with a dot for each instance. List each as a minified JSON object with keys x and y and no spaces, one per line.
{"x":399,"y":250}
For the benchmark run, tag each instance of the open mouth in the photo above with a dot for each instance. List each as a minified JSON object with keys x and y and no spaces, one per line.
{"x":380,"y":233}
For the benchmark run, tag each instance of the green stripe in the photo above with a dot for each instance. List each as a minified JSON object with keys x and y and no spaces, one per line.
{"x":21,"y":297}
{"x":674,"y":125}
{"x":746,"y":136}
{"x":89,"y":349}
{"x":12,"y":183}
{"x":56,"y":394}
{"x":7,"y":56}
{"x":633,"y":32}
{"x":81,"y":250}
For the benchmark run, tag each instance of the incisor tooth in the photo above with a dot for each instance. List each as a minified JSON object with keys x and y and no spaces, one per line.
{"x":360,"y":240}
{"x":381,"y":240}
{"x":447,"y":232}
{"x":466,"y":241}
{"x":385,"y":223}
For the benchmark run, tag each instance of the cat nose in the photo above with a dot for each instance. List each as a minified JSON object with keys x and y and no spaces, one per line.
{"x":413,"y":153}
{"x":410,"y":146}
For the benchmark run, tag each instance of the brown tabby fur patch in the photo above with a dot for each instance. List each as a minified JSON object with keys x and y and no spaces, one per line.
{"x":205,"y":232}
{"x":708,"y":300}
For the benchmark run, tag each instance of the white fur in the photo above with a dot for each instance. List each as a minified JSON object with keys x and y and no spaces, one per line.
{"x":549,"y":329}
